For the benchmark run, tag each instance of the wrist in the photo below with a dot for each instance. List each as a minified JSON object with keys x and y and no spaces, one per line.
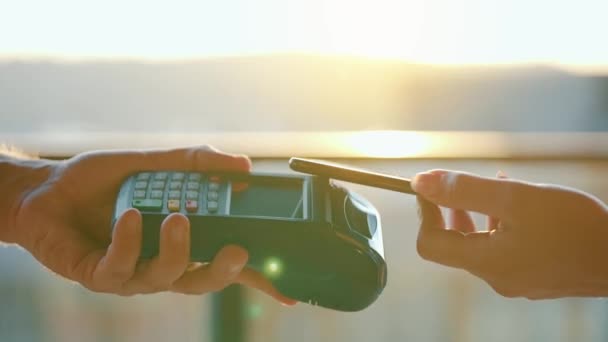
{"x":18,"y":178}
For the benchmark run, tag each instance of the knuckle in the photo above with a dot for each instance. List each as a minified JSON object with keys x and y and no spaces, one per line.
{"x":453,"y":186}
{"x":510,"y":193}
{"x":123,"y":293}
{"x":217,"y":285}
{"x":100,"y":287}
{"x":129,"y":290}
{"x":196,"y":157}
{"x":208,"y":148}
{"x":157,"y":286}
{"x":505,"y":291}
{"x":118,"y":275}
{"x":186,"y":290}
{"x":152,"y":288}
{"x":423,"y":249}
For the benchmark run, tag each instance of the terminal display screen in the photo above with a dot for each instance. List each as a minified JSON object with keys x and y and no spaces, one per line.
{"x":269,"y":197}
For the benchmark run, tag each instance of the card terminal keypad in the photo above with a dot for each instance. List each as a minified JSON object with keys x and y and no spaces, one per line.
{"x":191,"y":193}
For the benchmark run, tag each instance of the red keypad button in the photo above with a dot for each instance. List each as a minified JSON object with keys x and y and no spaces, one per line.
{"x":191,"y":206}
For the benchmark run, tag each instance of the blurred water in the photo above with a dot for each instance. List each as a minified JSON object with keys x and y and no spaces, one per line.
{"x":294,"y":93}
{"x":422,"y":301}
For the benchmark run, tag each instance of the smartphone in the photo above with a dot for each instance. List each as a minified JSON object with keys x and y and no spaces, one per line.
{"x":350,"y":174}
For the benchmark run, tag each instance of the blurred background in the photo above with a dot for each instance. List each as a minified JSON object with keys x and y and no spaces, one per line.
{"x":394,"y":86}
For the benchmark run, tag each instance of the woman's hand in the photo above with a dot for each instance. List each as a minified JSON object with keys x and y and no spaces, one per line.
{"x":542,"y":241}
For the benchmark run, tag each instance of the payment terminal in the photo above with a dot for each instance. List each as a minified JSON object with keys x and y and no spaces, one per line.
{"x":316,"y":241}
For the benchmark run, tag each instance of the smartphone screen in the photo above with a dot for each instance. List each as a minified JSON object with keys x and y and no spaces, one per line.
{"x":350,"y":174}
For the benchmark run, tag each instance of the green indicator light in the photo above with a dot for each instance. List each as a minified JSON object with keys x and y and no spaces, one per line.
{"x":254,"y":311}
{"x":273,"y":267}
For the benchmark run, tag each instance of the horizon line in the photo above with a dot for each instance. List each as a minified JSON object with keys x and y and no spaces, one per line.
{"x":589,"y":68}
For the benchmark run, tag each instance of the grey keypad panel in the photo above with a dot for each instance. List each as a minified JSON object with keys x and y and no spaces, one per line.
{"x":190,"y":193}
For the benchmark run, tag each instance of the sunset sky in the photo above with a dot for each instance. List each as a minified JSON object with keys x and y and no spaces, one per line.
{"x":428,"y":31}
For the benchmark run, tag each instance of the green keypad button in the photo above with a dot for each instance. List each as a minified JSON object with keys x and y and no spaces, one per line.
{"x":147,"y":204}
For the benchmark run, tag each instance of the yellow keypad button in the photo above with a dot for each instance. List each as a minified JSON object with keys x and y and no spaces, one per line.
{"x":173,"y":205}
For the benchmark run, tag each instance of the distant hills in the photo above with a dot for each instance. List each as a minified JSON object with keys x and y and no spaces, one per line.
{"x":294,"y":92}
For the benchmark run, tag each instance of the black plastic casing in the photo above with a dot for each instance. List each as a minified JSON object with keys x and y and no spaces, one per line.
{"x":332,"y":257}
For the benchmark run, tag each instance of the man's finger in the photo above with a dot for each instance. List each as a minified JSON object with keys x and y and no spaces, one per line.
{"x":118,"y":265}
{"x":221,"y":272}
{"x":465,"y":191}
{"x":172,"y":259}
{"x":256,"y":280}
{"x":194,"y":159}
{"x":202,"y":159}
{"x":449,"y":247}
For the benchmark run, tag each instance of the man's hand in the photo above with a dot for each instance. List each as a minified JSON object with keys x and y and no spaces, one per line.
{"x":542,"y":241}
{"x":64,"y":221}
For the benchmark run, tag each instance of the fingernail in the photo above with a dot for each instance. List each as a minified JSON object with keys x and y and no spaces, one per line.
{"x":132,"y":221}
{"x":233,"y":269}
{"x":426,"y":184}
{"x":179,"y":233}
{"x":289,"y":304}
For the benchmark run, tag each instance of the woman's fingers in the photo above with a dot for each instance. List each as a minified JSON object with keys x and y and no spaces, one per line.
{"x":465,"y":191}
{"x":461,"y":221}
{"x":494,"y":222}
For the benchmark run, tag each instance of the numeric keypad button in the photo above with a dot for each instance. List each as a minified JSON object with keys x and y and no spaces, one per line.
{"x":141,"y":185}
{"x":178,"y":176}
{"x":191,"y":195}
{"x":160,"y":176}
{"x":143,"y":176}
{"x":156,"y":194}
{"x":195,"y":177}
{"x":175,"y":194}
{"x":175,"y":185}
{"x":158,"y":185}
{"x":139,"y":194}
